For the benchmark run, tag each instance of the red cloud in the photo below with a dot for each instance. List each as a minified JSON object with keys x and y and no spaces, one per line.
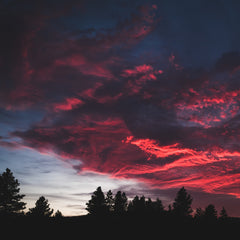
{"x":21,"y":98}
{"x":152,"y":148}
{"x":143,"y":23}
{"x":209,"y":170}
{"x":144,"y":69}
{"x":68,"y":104}
{"x":105,"y":145}
{"x":96,"y":143}
{"x":46,"y":60}
{"x":139,"y":75}
{"x":213,"y":179}
{"x":208,"y":107}
{"x":98,"y":69}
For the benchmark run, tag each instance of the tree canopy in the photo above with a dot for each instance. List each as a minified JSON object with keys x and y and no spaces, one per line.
{"x":120,"y":203}
{"x":182,"y":204}
{"x":97,"y":204}
{"x":10,"y":199}
{"x":41,"y":209}
{"x":210,"y":213}
{"x":109,"y":204}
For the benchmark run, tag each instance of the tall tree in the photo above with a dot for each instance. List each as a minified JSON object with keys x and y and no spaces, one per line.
{"x":199,"y":214}
{"x":223,"y":214}
{"x":41,"y":209}
{"x":210,"y":213}
{"x":109,"y":201}
{"x":136,"y":204}
{"x":149,"y":206}
{"x":97,"y":204}
{"x":142,"y":204}
{"x":120,"y":203}
{"x":10,"y":199}
{"x":182,"y":204}
{"x":158,"y":206}
{"x":58,"y":215}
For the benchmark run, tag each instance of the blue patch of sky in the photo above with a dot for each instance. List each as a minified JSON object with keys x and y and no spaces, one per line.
{"x":18,"y":120}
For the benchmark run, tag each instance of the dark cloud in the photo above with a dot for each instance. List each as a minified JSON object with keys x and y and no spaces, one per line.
{"x":117,"y":110}
{"x":37,"y":55}
{"x":187,"y":139}
{"x":229,"y":62}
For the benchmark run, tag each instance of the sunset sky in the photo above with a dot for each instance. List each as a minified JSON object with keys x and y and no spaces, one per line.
{"x":138,"y":96}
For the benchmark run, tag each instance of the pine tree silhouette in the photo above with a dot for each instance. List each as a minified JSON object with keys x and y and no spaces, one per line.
{"x":109,"y":201}
{"x":223,"y":214}
{"x":158,"y":206}
{"x":182,"y":204}
{"x":97,"y":204}
{"x":10,"y":199}
{"x":41,"y":208}
{"x":120,"y":203}
{"x":149,"y":206}
{"x":134,"y":205}
{"x":210,"y":214}
{"x":199,"y":214}
{"x":58,"y":214}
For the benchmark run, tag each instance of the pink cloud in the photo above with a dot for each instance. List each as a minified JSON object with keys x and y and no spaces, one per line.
{"x":86,"y":67}
{"x":220,"y":164}
{"x":209,"y":108}
{"x":140,"y":75}
{"x":68,"y":104}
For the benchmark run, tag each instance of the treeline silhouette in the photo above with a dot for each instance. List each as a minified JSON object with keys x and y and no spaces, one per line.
{"x":112,"y":211}
{"x":101,"y":205}
{"x":105,"y":205}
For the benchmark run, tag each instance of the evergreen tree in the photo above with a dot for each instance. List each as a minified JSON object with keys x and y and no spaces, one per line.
{"x":136,"y":202}
{"x":97,"y":204}
{"x":41,"y":208}
{"x":10,"y":199}
{"x":223,"y":214}
{"x":182,"y":203}
{"x":130,"y":207}
{"x":158,"y":206}
{"x":58,"y":214}
{"x":199,"y":214}
{"x":134,"y":205}
{"x":109,"y":201}
{"x":142,"y":204}
{"x":210,"y":213}
{"x":149,"y":206}
{"x":120,"y":203}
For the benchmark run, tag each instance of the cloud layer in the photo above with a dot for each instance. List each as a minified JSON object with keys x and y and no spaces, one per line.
{"x":116,"y":109}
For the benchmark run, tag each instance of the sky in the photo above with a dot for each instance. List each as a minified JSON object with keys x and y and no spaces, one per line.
{"x":138,"y":96}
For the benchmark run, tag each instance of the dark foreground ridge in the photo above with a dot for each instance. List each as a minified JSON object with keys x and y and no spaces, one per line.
{"x":117,"y":227}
